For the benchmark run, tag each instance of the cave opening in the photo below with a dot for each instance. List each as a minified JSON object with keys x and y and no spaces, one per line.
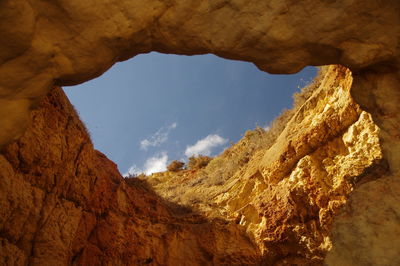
{"x":155,"y":108}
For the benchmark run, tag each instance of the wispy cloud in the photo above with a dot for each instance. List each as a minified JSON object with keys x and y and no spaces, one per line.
{"x":205,"y":146}
{"x":157,"y":138}
{"x":157,"y":163}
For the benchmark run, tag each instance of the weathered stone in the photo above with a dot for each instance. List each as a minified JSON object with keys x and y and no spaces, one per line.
{"x":67,"y":42}
{"x":62,"y":202}
{"x":287,"y":196}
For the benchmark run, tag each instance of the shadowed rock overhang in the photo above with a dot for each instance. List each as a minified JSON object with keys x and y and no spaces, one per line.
{"x":47,"y":43}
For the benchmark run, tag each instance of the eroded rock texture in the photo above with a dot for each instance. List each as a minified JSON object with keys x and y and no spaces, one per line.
{"x":287,"y":196}
{"x":67,"y":42}
{"x":62,"y":203}
{"x":262,"y":202}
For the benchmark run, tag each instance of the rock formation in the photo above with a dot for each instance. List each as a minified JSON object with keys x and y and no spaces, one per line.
{"x":69,"y":42}
{"x":286,"y":196}
{"x":62,"y":202}
{"x":47,"y":43}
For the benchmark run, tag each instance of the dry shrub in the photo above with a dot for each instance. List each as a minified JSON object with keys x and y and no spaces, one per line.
{"x":175,"y":166}
{"x":134,"y":179}
{"x":215,"y":164}
{"x":198,"y":162}
{"x":299,"y":98}
{"x":226,"y":165}
{"x":214,"y":175}
{"x":276,"y":128}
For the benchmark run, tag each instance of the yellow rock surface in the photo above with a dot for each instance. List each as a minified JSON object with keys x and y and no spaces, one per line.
{"x":63,"y":203}
{"x":269,"y":199}
{"x":286,"y":196}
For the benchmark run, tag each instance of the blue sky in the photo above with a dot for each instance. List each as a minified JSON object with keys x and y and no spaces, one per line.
{"x":154,"y":108}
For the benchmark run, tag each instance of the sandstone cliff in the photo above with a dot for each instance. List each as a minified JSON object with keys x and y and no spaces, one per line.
{"x":267,"y":200}
{"x":62,"y":203}
{"x":68,"y":42}
{"x":286,"y":193}
{"x":47,"y":43}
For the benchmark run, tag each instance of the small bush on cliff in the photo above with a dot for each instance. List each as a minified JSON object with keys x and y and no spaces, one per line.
{"x":133,"y":179}
{"x":198,"y":162}
{"x":130,"y":175}
{"x":175,"y":166}
{"x":226,"y":165}
{"x":217,"y":175}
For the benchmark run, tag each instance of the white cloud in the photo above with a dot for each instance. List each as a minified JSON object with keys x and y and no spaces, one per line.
{"x":155,"y":164}
{"x":133,"y":170}
{"x":157,"y":138}
{"x":204,"y":146}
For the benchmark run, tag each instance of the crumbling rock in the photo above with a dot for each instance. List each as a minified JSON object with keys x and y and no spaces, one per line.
{"x":68,"y":42}
{"x":288,"y":195}
{"x":62,"y":203}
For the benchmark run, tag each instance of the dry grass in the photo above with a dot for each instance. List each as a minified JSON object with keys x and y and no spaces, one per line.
{"x":207,"y":177}
{"x":198,"y":162}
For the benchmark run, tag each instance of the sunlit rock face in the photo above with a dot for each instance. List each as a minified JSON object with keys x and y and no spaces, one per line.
{"x":62,"y":203}
{"x":67,"y":42}
{"x":287,"y":196}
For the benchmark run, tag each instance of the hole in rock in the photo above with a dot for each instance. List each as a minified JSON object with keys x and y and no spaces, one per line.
{"x":155,"y":108}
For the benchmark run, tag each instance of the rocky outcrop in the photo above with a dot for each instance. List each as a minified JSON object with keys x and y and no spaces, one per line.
{"x":62,"y":203}
{"x":262,"y":202}
{"x":68,"y":42}
{"x":286,"y":197}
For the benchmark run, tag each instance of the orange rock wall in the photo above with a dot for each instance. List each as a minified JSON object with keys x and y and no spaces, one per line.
{"x":63,"y":203}
{"x":47,"y":43}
